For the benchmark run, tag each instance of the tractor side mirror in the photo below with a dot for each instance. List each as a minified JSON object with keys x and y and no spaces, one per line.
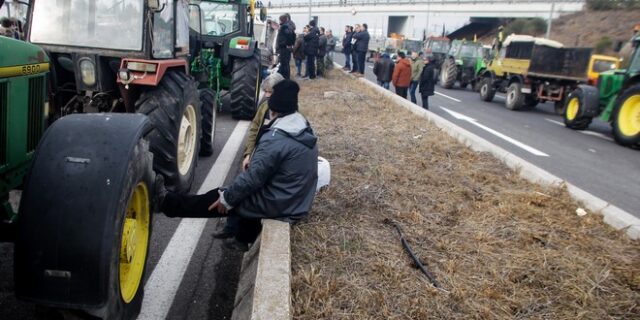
{"x":153,"y":4}
{"x":263,"y":14}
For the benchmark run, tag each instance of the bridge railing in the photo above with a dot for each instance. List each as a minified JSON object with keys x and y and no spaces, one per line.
{"x":349,"y":3}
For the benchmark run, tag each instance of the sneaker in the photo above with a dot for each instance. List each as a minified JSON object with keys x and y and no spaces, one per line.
{"x":223,"y":234}
{"x":235,"y":245}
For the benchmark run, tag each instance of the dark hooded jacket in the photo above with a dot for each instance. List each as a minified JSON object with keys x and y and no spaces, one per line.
{"x":282,"y":176}
{"x":311,"y":40}
{"x":428,"y":80}
{"x":383,"y":68}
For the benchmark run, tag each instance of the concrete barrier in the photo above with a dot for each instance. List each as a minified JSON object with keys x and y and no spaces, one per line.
{"x":612,"y":215}
{"x":264,"y":289}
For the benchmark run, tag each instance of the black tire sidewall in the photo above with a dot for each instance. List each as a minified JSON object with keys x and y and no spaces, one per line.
{"x":516,"y":102}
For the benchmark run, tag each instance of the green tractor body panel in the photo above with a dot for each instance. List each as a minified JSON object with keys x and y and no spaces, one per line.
{"x":23,"y":95}
{"x":609,"y":85}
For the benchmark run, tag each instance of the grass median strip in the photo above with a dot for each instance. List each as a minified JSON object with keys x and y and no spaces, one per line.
{"x":499,"y":246}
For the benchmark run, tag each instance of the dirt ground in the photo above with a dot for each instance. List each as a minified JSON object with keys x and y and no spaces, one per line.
{"x":501,"y":247}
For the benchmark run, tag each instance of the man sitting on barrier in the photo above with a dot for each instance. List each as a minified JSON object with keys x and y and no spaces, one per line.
{"x":280,"y":182}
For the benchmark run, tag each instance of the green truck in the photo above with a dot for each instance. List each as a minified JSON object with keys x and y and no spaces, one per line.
{"x":615,"y":99}
{"x":103,"y":100}
{"x":463,"y":62}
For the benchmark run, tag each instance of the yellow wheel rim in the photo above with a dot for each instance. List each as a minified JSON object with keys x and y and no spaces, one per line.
{"x":135,"y":240}
{"x":629,"y":116}
{"x":572,"y":108}
{"x":187,"y":139}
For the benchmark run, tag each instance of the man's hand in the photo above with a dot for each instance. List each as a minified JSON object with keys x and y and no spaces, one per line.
{"x":218,"y":206}
{"x":245,"y":163}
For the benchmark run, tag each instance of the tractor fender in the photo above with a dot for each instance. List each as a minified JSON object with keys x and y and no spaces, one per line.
{"x":516,"y":78}
{"x":590,"y":100}
{"x":238,"y":49}
{"x":488,"y":74}
{"x":525,"y":87}
{"x":66,"y":222}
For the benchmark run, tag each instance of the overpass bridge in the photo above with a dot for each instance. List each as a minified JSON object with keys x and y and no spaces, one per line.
{"x":414,"y":18}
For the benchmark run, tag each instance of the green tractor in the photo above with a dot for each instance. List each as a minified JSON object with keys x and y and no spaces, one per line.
{"x":106,"y":101}
{"x":615,"y":99}
{"x":462,"y":63}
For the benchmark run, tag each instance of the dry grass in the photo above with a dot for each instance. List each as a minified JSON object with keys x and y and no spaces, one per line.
{"x":502,"y":248}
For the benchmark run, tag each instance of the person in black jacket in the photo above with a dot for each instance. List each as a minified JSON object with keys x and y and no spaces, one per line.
{"x":311,"y":39}
{"x":284,"y":44}
{"x":383,"y":69}
{"x":280,"y":182}
{"x":346,"y":46}
{"x":427,"y":81}
{"x":361,"y":48}
{"x":354,"y":53}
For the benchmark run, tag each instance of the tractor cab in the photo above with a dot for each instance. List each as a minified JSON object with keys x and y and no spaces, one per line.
{"x":461,"y":63}
{"x":437,"y":47}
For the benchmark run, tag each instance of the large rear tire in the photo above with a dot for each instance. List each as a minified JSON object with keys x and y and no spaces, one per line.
{"x":515,"y":97}
{"x":487,"y":90}
{"x":574,"y":111}
{"x":208,"y":111}
{"x":174,"y":110}
{"x":448,"y":74}
{"x":85,"y":216}
{"x":245,"y":87}
{"x":626,"y":117}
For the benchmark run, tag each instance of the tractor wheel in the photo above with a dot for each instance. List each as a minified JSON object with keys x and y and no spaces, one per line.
{"x":530,"y":102}
{"x":626,"y":117}
{"x":245,"y":87}
{"x":573,"y":117}
{"x":448,"y":74}
{"x":208,"y":111}
{"x":559,"y":107}
{"x":174,"y":110}
{"x":487,"y":91}
{"x":86,"y":216}
{"x":515,"y":97}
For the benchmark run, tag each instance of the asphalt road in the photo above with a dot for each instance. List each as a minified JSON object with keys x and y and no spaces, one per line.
{"x":207,"y":289}
{"x":588,"y":159}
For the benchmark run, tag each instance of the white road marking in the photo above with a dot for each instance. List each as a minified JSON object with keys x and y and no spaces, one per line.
{"x":554,"y":121}
{"x":587,"y":132}
{"x":596,"y":134}
{"x":165,"y":280}
{"x":515,"y":142}
{"x":446,"y":96}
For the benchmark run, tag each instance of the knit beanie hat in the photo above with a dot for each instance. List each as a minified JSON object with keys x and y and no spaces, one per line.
{"x":284,"y":99}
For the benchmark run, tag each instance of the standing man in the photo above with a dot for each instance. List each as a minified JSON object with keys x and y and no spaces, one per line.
{"x":416,"y":70}
{"x":311,"y":39}
{"x":331,"y":46}
{"x":322,"y":51}
{"x":285,"y":41}
{"x":354,"y":53}
{"x":427,"y":81}
{"x":383,"y":69}
{"x":298,"y":52}
{"x":346,"y":47}
{"x":362,"y":46}
{"x":402,"y":75}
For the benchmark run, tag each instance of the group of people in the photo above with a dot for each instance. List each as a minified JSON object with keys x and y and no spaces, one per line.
{"x":355,"y":44}
{"x":314,"y":46}
{"x":408,"y":75}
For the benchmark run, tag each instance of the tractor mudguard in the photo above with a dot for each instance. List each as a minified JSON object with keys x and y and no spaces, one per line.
{"x":590,"y":100}
{"x":69,"y":206}
{"x":241,"y":47}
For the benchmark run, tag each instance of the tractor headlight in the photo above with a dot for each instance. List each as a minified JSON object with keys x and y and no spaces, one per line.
{"x":88,"y":72}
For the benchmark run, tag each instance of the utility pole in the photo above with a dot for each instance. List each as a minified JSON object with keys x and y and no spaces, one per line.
{"x":553,"y":4}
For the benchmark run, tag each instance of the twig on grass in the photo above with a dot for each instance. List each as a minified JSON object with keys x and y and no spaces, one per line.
{"x":408,"y":249}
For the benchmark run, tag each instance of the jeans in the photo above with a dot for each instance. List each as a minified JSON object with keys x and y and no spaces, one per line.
{"x":354,"y":61}
{"x":284,"y":58}
{"x":347,"y":59}
{"x":425,"y":101}
{"x":311,"y":66}
{"x":299,"y":67}
{"x":362,"y":56}
{"x":412,"y":91}
{"x":402,"y":91}
{"x":197,"y":206}
{"x":320,"y":65}
{"x":384,"y":84}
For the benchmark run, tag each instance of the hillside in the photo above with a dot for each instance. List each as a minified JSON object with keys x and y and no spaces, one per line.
{"x":587,"y":28}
